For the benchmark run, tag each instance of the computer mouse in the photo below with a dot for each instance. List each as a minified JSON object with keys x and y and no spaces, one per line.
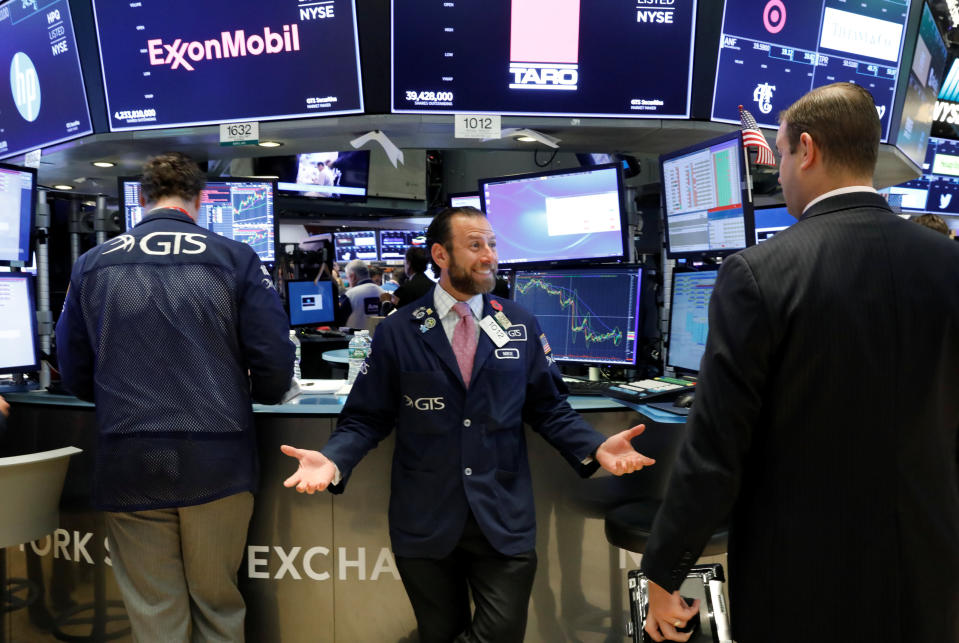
{"x":685,"y":400}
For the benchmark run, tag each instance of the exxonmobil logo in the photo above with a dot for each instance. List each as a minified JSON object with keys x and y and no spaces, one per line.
{"x":230,"y":44}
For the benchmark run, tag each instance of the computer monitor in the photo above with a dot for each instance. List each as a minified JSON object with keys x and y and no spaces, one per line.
{"x":311,"y":304}
{"x":923,"y":84}
{"x":341,"y":176}
{"x":689,"y":318}
{"x":18,"y":204}
{"x":772,"y":53}
{"x":395,"y":243}
{"x":544,"y":57}
{"x":562,"y":216}
{"x":236,"y":208}
{"x":466,"y":199}
{"x":45,"y":101}
{"x":355,"y":244}
{"x":588,"y":314}
{"x":706,"y":201}
{"x":771,"y":219}
{"x":230,"y":60}
{"x":18,"y":324}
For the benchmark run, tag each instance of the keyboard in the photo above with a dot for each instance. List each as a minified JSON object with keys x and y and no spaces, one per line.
{"x":585,"y":387}
{"x":642,"y":391}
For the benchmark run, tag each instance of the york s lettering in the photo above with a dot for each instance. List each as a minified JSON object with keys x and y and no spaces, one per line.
{"x":188,"y":243}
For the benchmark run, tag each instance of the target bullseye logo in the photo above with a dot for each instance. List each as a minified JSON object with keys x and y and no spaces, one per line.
{"x":774,"y":16}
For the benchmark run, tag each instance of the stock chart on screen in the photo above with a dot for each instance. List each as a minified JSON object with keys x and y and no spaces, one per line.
{"x":588,"y":314}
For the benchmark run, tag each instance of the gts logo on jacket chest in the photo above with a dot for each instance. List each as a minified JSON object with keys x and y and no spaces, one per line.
{"x":161,"y":243}
{"x":425,"y":403}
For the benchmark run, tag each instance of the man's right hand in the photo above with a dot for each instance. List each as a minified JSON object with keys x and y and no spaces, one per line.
{"x":4,"y":407}
{"x":315,"y":472}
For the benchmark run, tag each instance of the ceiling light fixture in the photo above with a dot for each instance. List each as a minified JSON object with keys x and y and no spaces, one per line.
{"x":62,"y":187}
{"x":103,"y":163}
{"x":270,"y":144}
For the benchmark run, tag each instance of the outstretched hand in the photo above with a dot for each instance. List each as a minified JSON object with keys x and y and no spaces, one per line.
{"x":618,"y":456}
{"x":315,"y":472}
{"x":667,"y":611}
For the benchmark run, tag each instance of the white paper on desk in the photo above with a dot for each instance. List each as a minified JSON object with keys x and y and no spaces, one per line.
{"x":320,"y":387}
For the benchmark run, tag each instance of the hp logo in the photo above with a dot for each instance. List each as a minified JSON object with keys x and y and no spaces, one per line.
{"x":25,"y":86}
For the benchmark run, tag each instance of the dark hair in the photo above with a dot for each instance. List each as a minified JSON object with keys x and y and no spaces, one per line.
{"x":171,"y":174}
{"x":440,"y":230}
{"x":842,"y":120}
{"x":416,"y":258}
{"x":933,"y":222}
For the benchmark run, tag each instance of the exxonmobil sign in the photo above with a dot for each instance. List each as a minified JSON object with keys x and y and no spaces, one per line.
{"x":230,"y":44}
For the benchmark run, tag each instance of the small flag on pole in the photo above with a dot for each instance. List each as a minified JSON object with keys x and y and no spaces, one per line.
{"x":752,"y":137}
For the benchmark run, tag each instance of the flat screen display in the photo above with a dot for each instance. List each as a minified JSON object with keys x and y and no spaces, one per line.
{"x":355,"y":245}
{"x":588,"y":314}
{"x":237,"y":208}
{"x":18,"y":324}
{"x":771,"y":219}
{"x":707,"y":207}
{"x":771,"y":52}
{"x":550,"y":57}
{"x":925,"y":80}
{"x":565,"y":215}
{"x":18,"y":193}
{"x":937,"y":190}
{"x":395,"y":243}
{"x":44,"y":101}
{"x":170,"y":63}
{"x":689,"y":318}
{"x":343,"y":176}
{"x":311,"y":304}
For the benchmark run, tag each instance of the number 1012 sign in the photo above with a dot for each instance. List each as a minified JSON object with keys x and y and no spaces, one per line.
{"x":477,"y":126}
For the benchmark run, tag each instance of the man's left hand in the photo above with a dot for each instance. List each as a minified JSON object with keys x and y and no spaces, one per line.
{"x":667,"y":612}
{"x":618,"y":456}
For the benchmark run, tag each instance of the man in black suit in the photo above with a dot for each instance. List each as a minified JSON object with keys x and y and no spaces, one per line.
{"x":827,"y":412}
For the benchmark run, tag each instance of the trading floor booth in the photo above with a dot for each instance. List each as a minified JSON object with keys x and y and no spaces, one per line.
{"x":319,"y":567}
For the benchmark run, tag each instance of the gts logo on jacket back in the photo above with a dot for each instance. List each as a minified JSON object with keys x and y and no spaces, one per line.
{"x":161,"y":243}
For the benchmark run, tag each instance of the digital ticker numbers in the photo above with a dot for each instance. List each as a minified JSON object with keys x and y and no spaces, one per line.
{"x":551,"y":57}
{"x":772,"y":52}
{"x":233,"y":60}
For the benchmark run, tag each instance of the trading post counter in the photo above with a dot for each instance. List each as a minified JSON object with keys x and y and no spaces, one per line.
{"x":319,"y":567}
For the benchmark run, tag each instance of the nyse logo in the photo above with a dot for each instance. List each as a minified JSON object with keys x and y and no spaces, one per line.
{"x":425,"y":403}
{"x":657,"y":16}
{"x":563,"y":77}
{"x":316,"y":13}
{"x":25,"y":86}
{"x":763,"y":95}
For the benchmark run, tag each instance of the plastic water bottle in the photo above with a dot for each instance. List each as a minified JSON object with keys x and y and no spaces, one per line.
{"x":297,"y":374}
{"x":359,"y":350}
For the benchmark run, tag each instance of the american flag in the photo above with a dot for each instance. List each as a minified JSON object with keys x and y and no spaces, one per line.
{"x":752,"y":137}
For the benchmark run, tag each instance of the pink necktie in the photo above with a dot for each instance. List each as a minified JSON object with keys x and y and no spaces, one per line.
{"x":464,"y":340}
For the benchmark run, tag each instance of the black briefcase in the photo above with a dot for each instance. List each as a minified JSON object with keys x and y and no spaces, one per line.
{"x":705,"y":582}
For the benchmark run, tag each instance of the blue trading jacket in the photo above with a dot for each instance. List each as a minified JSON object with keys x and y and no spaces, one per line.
{"x":458,"y":450}
{"x":172,"y":330}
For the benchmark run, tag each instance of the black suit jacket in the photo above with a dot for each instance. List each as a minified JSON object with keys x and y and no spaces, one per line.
{"x":825,"y":427}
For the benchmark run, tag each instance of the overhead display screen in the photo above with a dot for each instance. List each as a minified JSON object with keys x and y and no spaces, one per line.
{"x":231,"y":60}
{"x":550,"y":57}
{"x":42,"y":100}
{"x":925,"y":79}
{"x":771,"y":52}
